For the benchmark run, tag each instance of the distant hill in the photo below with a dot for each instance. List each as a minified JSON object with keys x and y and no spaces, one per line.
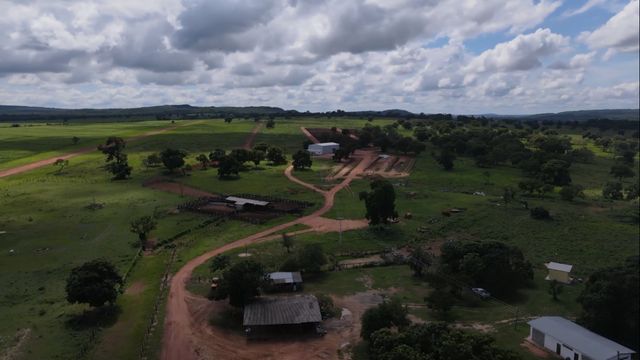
{"x":10,"y":113}
{"x":579,"y":115}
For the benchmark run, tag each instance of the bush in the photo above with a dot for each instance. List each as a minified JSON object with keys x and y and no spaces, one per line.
{"x":612,"y":190}
{"x":540,"y":213}
{"x":569,"y":192}
{"x":327,"y":307}
{"x":388,"y":314}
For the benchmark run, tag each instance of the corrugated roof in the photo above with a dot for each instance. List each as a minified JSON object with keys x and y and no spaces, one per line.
{"x":558,"y":266}
{"x":242,"y":201}
{"x":285,"y":277}
{"x":326,"y":144}
{"x":579,"y":338}
{"x":299,"y":309}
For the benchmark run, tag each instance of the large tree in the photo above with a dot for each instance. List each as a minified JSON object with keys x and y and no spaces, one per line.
{"x":276,"y":156}
{"x":311,"y":258}
{"x":173,"y":159}
{"x":380,"y":202}
{"x":621,"y":171}
{"x":241,"y":282}
{"x":142,"y":227}
{"x":301,"y":160}
{"x":113,"y":148}
{"x":555,"y":172}
{"x":388,"y":314}
{"x":445,"y":159}
{"x":228,"y":166}
{"x":94,"y":283}
{"x":610,"y":303}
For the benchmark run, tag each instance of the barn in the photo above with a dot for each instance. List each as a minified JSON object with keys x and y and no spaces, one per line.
{"x":282,"y":315}
{"x":571,"y":341}
{"x":286,"y":281}
{"x":559,"y":272}
{"x":323,"y":148}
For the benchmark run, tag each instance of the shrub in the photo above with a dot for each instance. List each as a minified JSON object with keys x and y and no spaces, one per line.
{"x":327,"y":307}
{"x":539,"y":213}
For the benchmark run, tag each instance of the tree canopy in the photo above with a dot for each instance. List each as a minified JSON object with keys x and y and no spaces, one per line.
{"x":173,"y":159}
{"x":379,"y":202}
{"x":94,"y":283}
{"x":302,"y":159}
{"x":390,"y":313}
{"x":241,"y":282}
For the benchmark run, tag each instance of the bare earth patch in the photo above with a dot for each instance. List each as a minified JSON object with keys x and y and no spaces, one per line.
{"x":20,"y":338}
{"x":135,"y":288}
{"x":535,"y":350}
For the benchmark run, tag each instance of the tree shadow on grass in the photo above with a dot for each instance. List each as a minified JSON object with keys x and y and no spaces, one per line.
{"x":104,"y":316}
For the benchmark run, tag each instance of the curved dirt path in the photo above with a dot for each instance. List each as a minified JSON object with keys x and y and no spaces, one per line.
{"x":248,"y":143}
{"x":82,"y":151}
{"x":180,"y":328}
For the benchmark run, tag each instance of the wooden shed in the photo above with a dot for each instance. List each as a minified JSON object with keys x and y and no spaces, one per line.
{"x":282,"y":315}
{"x":559,"y":272}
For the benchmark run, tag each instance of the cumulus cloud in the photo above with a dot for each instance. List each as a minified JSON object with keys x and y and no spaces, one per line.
{"x":620,"y":33}
{"x":522,"y":53}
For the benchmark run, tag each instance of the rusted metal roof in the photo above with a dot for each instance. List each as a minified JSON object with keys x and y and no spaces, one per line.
{"x":300,"y":309}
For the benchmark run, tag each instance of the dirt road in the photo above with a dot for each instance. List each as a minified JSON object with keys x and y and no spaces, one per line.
{"x":248,"y":144}
{"x":181,"y":330}
{"x":309,"y":135}
{"x":49,"y":161}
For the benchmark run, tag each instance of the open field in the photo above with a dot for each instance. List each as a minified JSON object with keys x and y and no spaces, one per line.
{"x":46,"y":229}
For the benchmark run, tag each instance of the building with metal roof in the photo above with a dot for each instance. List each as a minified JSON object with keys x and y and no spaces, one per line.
{"x":282,"y":313}
{"x":573,"y":342}
{"x":559,"y":272}
{"x":242,"y":202}
{"x":323,"y":148}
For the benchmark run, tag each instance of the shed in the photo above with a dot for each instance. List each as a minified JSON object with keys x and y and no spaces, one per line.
{"x":291,"y":281}
{"x":268,"y":316}
{"x":323,"y":148}
{"x":573,"y":342}
{"x":559,"y":272}
{"x":240,"y":203}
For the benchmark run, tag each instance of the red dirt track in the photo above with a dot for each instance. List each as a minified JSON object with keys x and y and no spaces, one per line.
{"x":86,"y":150}
{"x":186,"y":339}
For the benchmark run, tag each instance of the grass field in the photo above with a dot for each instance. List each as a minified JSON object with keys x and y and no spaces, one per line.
{"x":46,"y":229}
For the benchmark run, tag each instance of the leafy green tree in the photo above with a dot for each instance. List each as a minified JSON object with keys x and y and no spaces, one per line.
{"x":340,"y":154}
{"x":257,"y":156}
{"x":612,"y":190}
{"x":113,"y":148}
{"x":228,"y":166}
{"x":142,"y":227}
{"x":539,"y":213}
{"x":440,"y":300}
{"x":390,"y":313}
{"x":569,"y":192}
{"x":75,"y":140}
{"x":276,"y":156}
{"x":119,"y":168}
{"x":379,"y":202}
{"x":94,"y":283}
{"x":241,"y":155}
{"x":287,"y":242}
{"x":633,"y":192}
{"x":271,"y":124}
{"x":241,"y":282}
{"x":445,"y":159}
{"x":301,"y":160}
{"x":204,"y":160}
{"x":219,"y":262}
{"x":555,"y":289}
{"x":173,"y":159}
{"x":311,"y":258}
{"x":261,"y":147}
{"x":621,"y":171}
{"x":419,"y":260}
{"x":61,"y":164}
{"x":610,"y":303}
{"x":555,"y":172}
{"x":152,"y":160}
{"x":217,"y":154}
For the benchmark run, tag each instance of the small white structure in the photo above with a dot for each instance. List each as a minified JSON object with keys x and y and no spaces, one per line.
{"x":323,"y":148}
{"x":241,"y":202}
{"x":573,"y":342}
{"x":559,"y":272}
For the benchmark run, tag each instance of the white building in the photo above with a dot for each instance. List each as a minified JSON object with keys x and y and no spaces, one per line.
{"x":573,"y":342}
{"x":559,"y":272}
{"x":323,"y":148}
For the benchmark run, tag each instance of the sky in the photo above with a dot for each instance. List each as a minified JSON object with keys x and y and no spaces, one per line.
{"x":432,"y":56}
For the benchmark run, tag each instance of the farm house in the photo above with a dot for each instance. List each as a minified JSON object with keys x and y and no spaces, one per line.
{"x":559,"y":272}
{"x":571,"y":341}
{"x":272,"y":316}
{"x":323,"y":148}
{"x":286,"y":281}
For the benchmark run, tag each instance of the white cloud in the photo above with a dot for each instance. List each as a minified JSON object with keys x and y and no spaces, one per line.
{"x":620,"y":33}
{"x":522,"y":53}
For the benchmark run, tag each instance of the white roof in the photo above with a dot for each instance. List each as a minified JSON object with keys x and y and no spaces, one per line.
{"x":558,"y":266}
{"x":285,"y":277}
{"x":326,"y":144}
{"x":584,"y":341}
{"x":242,"y":201}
